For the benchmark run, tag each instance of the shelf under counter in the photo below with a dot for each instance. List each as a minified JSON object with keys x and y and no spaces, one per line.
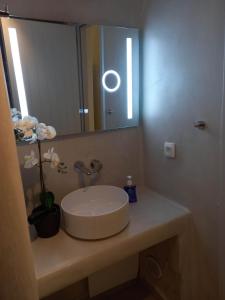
{"x":62,"y":260}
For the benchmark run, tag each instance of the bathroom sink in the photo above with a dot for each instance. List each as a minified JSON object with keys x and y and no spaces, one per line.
{"x":95,"y":212}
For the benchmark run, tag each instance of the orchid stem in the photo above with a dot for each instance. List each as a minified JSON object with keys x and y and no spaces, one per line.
{"x":43,"y":189}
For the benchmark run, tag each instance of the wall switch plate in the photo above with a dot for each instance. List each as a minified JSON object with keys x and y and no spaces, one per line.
{"x":170,"y":150}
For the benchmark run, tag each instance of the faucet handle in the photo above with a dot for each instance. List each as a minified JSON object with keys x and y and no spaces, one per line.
{"x":96,"y":165}
{"x":78,"y":165}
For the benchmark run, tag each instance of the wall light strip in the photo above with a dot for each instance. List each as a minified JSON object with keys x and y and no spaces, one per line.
{"x":18,"y":71}
{"x":129,"y":80}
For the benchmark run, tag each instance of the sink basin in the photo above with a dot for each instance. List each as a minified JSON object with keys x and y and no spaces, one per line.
{"x":95,"y":212}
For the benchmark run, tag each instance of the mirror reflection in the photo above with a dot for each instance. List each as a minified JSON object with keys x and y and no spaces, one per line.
{"x":79,"y":78}
{"x":43,"y":72}
{"x":110,"y":67}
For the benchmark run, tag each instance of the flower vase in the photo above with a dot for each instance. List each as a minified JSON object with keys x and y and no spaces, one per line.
{"x":46,"y":217}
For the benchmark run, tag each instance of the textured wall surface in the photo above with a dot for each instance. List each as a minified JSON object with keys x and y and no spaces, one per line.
{"x":183,"y":82}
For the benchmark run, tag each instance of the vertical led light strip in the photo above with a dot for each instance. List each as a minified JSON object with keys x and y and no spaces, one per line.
{"x":129,"y":80}
{"x":18,"y":71}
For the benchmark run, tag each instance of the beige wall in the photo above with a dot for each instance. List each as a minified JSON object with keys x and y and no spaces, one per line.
{"x":119,"y":151}
{"x":183,"y":82}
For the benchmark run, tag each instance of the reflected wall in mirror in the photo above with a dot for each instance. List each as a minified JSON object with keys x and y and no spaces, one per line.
{"x":110,"y":72}
{"x":79,"y":78}
{"x":43,"y":71}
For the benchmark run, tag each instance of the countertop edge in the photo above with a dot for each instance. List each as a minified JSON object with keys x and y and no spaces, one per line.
{"x":75,"y":271}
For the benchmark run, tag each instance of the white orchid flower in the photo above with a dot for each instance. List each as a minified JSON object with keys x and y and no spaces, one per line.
{"x":53,"y":157}
{"x":30,"y":128}
{"x":28,"y":133}
{"x":14,"y":111}
{"x":51,"y":132}
{"x":45,"y":132}
{"x":19,"y":125}
{"x":15,"y":115}
{"x":29,"y":122}
{"x":48,"y":155}
{"x":30,"y":160}
{"x":30,"y":136}
{"x":27,"y":126}
{"x":26,"y":123}
{"x":32,"y":139}
{"x":55,"y":161}
{"x":41,"y":131}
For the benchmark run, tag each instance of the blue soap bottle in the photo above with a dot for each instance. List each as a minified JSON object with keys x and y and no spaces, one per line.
{"x":131,"y":190}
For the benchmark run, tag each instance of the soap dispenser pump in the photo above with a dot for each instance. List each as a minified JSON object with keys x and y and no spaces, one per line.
{"x":131,"y":190}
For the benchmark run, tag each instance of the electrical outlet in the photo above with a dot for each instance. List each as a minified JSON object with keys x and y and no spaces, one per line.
{"x":170,"y":150}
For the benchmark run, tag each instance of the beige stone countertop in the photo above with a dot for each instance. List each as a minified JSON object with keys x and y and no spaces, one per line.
{"x":62,"y":260}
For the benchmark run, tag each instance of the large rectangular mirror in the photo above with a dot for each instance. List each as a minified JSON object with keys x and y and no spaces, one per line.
{"x":43,"y":72}
{"x":78,"y":78}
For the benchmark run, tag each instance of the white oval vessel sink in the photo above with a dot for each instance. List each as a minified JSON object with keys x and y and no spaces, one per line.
{"x":95,"y":212}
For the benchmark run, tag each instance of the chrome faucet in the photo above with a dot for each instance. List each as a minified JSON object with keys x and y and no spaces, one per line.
{"x":92,"y":172}
{"x":95,"y":167}
{"x":79,"y":167}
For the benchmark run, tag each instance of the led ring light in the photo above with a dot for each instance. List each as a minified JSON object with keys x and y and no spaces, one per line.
{"x":117,"y":86}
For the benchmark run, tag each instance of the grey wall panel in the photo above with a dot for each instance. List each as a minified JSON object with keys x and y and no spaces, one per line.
{"x":183,"y":82}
